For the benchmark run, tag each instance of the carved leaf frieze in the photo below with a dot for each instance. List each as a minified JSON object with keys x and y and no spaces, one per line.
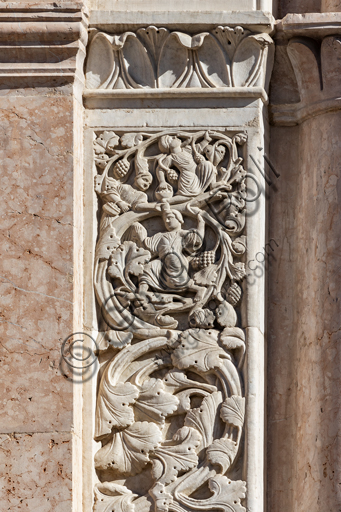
{"x":158,"y":58}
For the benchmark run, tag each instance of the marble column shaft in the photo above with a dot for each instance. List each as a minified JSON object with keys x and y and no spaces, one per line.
{"x":304,"y":277}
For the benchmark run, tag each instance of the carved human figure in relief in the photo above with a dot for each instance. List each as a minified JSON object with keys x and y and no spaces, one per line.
{"x":119,"y":198}
{"x":196,"y":173}
{"x":170,"y":271}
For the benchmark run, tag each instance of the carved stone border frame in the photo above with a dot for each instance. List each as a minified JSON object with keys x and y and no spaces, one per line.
{"x":253,"y":307}
{"x":237,"y":109}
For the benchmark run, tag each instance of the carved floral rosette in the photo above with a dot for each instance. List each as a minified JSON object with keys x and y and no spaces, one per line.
{"x":155,"y":57}
{"x":168,"y":271}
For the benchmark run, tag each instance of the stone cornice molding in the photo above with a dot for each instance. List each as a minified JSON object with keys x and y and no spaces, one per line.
{"x":154,"y":60}
{"x":314,"y":49}
{"x":296,"y":113}
{"x":309,"y":25}
{"x":117,"y":20}
{"x":101,"y":98}
{"x":42,"y":42}
{"x":197,"y":92}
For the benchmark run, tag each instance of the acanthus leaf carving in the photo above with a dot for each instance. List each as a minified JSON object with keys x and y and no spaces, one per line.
{"x":168,"y":273}
{"x":127,"y":259}
{"x":222,"y":452}
{"x":205,"y":418}
{"x":154,"y":403}
{"x":233,"y":411}
{"x":113,"y":407}
{"x":109,"y":497}
{"x":227,"y":495}
{"x":107,"y":242}
{"x":180,"y":454}
{"x":162,"y":498}
{"x":128,"y":451}
{"x":233,"y":338}
{"x":113,"y":338}
{"x":199,"y":349}
{"x":129,"y":140}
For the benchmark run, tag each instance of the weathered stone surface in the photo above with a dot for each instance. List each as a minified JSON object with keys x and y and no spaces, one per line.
{"x":42,"y":43}
{"x":110,"y":20}
{"x":40,"y":286}
{"x":177,"y":6}
{"x":330,"y":6}
{"x":297,"y":6}
{"x":156,"y":179}
{"x":304,"y":280}
{"x":43,"y":47}
{"x":303,"y":358}
{"x":37,"y":261}
{"x":157,"y":58}
{"x":156,"y":255}
{"x":36,"y":472}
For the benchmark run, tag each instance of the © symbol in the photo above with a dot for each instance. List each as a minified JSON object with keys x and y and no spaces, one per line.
{"x":78,"y":362}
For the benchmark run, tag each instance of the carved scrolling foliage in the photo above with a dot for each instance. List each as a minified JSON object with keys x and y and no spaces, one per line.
{"x":170,"y":406}
{"x":158,"y":58}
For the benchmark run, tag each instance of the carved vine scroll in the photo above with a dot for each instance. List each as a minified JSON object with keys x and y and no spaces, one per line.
{"x":168,"y":272}
{"x":155,"y":57}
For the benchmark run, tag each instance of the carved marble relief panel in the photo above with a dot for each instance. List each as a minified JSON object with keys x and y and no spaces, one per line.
{"x":158,"y":58}
{"x":168,"y":273}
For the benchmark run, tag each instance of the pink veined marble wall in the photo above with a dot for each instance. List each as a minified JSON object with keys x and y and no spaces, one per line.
{"x":304,"y":370}
{"x":37,"y":301}
{"x":36,"y":150}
